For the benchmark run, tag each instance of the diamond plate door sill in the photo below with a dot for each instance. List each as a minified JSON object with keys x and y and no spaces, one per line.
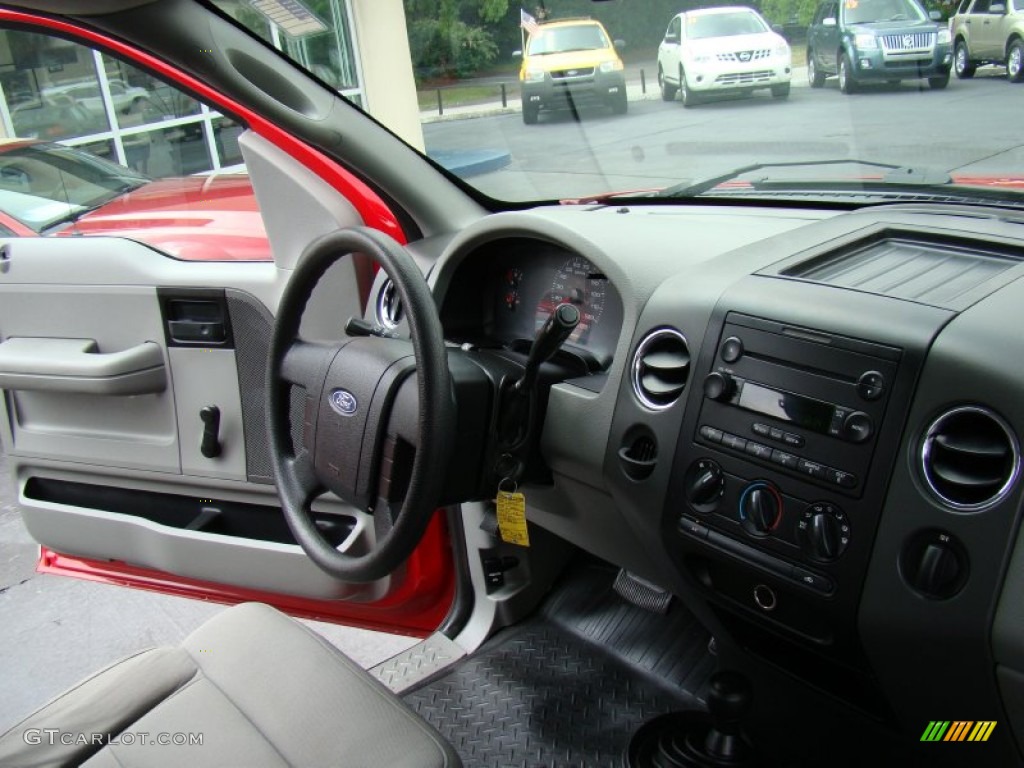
{"x":419,"y":663}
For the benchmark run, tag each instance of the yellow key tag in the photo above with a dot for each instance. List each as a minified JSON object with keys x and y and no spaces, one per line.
{"x":512,"y":518}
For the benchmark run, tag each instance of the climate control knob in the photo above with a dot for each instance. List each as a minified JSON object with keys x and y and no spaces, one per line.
{"x":824,"y":532}
{"x":760,"y":508}
{"x":705,"y":483}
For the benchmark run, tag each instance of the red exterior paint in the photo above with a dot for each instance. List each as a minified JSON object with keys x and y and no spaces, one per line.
{"x":417,"y":605}
{"x":195,"y":218}
{"x":16,"y":226}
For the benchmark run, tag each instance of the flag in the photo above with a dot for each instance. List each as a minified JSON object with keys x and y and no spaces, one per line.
{"x":527,"y":22}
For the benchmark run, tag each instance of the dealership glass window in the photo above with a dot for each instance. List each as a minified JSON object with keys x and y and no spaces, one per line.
{"x":329,"y":54}
{"x":226,"y":132}
{"x":57,"y":90}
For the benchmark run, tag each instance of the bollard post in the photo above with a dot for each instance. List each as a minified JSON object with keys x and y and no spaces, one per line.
{"x":440,"y":106}
{"x":643,"y":83}
{"x":504,"y":97}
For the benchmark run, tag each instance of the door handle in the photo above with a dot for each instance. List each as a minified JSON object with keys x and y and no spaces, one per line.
{"x":77,"y":365}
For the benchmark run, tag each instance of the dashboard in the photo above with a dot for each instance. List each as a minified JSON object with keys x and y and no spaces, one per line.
{"x":835,"y":483}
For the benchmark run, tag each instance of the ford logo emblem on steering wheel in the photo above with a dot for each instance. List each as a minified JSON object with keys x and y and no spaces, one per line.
{"x":343,"y":401}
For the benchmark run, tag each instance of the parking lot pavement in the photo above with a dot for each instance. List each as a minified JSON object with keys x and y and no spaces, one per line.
{"x":57,"y":630}
{"x":639,"y":87}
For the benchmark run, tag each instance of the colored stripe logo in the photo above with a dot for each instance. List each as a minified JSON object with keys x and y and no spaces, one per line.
{"x":958,"y":730}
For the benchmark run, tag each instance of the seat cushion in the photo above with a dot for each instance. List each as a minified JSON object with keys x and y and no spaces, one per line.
{"x":251,"y":687}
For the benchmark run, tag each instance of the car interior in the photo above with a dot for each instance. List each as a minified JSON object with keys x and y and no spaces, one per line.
{"x":657,"y":483}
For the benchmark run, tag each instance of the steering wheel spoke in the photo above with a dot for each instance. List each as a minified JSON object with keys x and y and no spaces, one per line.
{"x":300,"y":467}
{"x":305,"y":363}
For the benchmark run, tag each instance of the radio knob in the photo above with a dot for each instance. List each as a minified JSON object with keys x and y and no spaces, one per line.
{"x":705,"y":483}
{"x":732,"y":349}
{"x":760,"y":509}
{"x":719,"y":386}
{"x":824,"y":532}
{"x":858,"y":427}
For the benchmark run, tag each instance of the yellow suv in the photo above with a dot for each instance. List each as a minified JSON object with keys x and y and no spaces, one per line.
{"x":570,"y":62}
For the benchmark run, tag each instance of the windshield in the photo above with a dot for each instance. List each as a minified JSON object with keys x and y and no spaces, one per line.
{"x":472,"y":84}
{"x":583,"y":37}
{"x":700,"y":26}
{"x":867,"y":11}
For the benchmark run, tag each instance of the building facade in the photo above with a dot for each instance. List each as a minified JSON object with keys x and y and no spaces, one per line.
{"x":58,"y":90}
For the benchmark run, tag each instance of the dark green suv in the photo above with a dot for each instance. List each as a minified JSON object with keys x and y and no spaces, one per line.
{"x":877,"y":40}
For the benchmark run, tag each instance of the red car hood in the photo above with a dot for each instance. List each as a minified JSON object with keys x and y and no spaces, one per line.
{"x":195,"y":218}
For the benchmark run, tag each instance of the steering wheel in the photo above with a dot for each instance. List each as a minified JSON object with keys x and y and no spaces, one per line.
{"x":373,"y":406}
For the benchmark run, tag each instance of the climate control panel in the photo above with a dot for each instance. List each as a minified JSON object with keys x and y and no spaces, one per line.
{"x":759,"y":509}
{"x":760,"y":523}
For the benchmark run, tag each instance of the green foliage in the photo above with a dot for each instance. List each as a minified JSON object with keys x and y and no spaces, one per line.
{"x":453,"y":37}
{"x":492,"y":10}
{"x":789,"y":11}
{"x":642,"y":31}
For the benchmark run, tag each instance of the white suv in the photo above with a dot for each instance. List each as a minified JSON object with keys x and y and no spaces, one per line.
{"x":722,"y":50}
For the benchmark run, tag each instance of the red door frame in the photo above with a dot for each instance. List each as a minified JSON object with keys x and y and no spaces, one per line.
{"x":420,"y":602}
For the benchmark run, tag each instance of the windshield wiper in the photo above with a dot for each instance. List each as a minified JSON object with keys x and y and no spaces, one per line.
{"x":695,"y":189}
{"x":72,"y":216}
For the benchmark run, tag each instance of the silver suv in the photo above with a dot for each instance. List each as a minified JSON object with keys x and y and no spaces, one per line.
{"x":989,"y":32}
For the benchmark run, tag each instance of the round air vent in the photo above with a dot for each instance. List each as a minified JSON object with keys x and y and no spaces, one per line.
{"x":389,"y":306}
{"x":661,"y":366}
{"x":970,"y":458}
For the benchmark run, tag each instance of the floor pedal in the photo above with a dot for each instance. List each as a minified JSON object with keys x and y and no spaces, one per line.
{"x":642,"y":593}
{"x":420,"y":662}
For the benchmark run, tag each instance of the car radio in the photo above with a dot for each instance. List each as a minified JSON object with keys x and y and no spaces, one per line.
{"x":806,"y":403}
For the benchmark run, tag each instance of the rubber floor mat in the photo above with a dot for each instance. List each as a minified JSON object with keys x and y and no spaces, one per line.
{"x":569,"y":688}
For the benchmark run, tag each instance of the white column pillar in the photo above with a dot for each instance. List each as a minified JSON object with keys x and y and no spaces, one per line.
{"x":389,"y":90}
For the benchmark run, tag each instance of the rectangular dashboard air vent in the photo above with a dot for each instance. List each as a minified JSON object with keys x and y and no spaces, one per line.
{"x":903,"y":268}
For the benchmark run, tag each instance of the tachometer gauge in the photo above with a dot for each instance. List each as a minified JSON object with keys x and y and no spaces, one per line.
{"x":576,"y":282}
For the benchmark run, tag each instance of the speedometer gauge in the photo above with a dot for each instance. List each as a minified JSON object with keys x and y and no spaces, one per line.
{"x":576,"y":282}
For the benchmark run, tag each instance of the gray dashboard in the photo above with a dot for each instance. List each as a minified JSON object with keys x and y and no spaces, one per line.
{"x":700,"y":270}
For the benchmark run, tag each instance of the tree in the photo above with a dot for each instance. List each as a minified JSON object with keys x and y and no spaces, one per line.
{"x":789,"y":11}
{"x":453,"y":37}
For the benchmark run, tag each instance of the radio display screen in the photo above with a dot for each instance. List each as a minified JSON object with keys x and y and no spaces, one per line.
{"x":785,"y":406}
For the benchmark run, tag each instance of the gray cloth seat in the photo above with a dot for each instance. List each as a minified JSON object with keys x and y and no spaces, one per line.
{"x":257,"y":688}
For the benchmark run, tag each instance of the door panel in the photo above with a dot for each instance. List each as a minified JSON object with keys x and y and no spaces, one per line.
{"x":123,"y":478}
